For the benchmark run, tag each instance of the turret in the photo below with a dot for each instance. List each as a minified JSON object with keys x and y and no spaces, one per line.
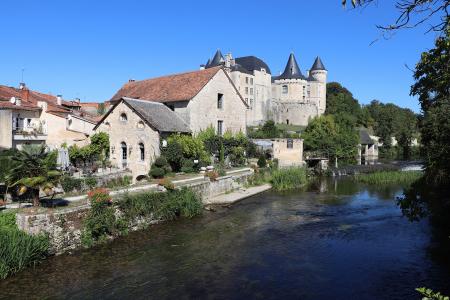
{"x":318,"y":71}
{"x":318,"y":83}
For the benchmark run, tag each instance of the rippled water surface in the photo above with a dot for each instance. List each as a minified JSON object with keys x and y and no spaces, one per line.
{"x":339,"y":240}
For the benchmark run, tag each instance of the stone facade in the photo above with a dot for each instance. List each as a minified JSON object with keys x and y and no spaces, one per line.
{"x":290,"y":98}
{"x":203,"y":111}
{"x":289,"y":152}
{"x":128,"y":133}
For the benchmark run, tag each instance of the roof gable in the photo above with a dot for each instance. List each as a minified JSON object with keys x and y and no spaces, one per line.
{"x":156,"y":115}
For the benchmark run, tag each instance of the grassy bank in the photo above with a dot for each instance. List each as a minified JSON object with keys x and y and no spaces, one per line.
{"x":389,"y":177}
{"x":18,"y":249}
{"x":106,"y":219}
{"x":290,"y":178}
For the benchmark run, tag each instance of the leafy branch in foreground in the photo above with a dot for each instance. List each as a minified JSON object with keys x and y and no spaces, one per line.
{"x":429,"y":294}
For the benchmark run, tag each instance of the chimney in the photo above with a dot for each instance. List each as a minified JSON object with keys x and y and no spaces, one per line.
{"x":131,"y":80}
{"x":202,"y":67}
{"x":25,"y":92}
{"x":18,"y":102}
{"x":59,"y":99}
{"x":228,"y":59}
{"x":22,"y":85}
{"x":77,"y":100}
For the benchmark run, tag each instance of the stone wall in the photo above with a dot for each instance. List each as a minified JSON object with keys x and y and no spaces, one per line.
{"x":64,"y":225}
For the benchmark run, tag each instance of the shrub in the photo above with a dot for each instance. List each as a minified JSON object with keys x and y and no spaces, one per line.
{"x":161,"y":162}
{"x":18,"y":250}
{"x":262,"y":163}
{"x":174,"y":154}
{"x":99,"y":196}
{"x":237,"y":156}
{"x":187,"y":166}
{"x":212,"y":175}
{"x":167,"y":184}
{"x":290,"y":178}
{"x":90,"y":182}
{"x":70,"y":184}
{"x":8,"y":220}
{"x":156,"y":172}
{"x":184,"y":203}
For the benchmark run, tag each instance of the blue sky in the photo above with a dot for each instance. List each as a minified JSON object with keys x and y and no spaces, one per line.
{"x":88,"y":49}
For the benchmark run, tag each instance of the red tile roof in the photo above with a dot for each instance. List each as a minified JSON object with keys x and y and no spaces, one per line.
{"x":172,"y":88}
{"x":24,"y":106}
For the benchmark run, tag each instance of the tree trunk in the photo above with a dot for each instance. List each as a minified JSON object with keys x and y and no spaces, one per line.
{"x":36,"y":198}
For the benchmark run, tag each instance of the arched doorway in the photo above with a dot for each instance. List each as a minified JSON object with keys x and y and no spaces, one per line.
{"x":123,"y":146}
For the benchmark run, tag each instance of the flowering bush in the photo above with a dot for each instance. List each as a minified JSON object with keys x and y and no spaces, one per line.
{"x":99,"y":196}
{"x":212,"y":175}
{"x":165,"y":182}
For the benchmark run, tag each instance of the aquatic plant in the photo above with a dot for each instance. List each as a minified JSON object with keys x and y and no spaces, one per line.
{"x":289,"y":178}
{"x":429,"y":294}
{"x":18,"y":249}
{"x":389,"y":177}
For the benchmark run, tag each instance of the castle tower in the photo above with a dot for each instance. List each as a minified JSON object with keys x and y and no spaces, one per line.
{"x":318,"y":77}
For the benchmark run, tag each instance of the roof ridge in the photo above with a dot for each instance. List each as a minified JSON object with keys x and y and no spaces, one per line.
{"x":176,"y":74}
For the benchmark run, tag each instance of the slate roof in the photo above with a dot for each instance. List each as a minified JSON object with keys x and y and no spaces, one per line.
{"x":172,"y":88}
{"x":364,"y":137}
{"x":155,"y":114}
{"x":217,"y":60}
{"x":292,"y":70}
{"x":252,"y":63}
{"x":318,"y":65}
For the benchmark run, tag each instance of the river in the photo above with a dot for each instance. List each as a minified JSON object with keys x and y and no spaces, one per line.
{"x":337,"y":240}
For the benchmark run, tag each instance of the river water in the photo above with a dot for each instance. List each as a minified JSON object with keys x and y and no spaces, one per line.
{"x":337,"y":240}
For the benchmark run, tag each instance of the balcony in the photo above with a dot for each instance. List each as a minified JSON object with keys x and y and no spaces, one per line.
{"x":29,"y":133}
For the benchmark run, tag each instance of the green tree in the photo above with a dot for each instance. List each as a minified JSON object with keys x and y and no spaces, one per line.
{"x":35,"y":170}
{"x":333,"y":138}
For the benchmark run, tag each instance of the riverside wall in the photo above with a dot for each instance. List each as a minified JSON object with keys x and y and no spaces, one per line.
{"x":64,"y":226}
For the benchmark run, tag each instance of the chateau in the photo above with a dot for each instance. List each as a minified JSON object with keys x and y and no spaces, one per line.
{"x":290,"y":98}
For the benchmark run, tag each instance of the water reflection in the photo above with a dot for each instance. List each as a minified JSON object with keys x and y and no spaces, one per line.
{"x":336,"y":240}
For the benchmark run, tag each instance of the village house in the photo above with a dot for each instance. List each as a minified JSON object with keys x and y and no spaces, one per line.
{"x":31,"y":117}
{"x":288,"y":152}
{"x":201,"y":98}
{"x":136,"y":129}
{"x":367,"y":148}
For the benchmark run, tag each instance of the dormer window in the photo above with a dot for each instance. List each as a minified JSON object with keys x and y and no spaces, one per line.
{"x":123,"y":117}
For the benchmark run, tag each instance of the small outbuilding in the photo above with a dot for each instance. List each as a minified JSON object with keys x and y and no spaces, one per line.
{"x":136,"y":128}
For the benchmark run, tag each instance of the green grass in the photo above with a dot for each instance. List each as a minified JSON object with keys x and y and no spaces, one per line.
{"x":389,"y":177}
{"x":18,"y":249}
{"x":290,"y":178}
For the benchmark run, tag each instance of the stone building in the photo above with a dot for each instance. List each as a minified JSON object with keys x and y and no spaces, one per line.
{"x":367,"y":148}
{"x":31,"y":117}
{"x":297,"y":98}
{"x":201,"y":98}
{"x":288,"y":152}
{"x":290,"y":98}
{"x":136,"y":128}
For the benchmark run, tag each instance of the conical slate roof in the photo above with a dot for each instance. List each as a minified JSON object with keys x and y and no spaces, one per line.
{"x":292,"y":70}
{"x":217,"y":59}
{"x":208,"y":63}
{"x":318,"y":65}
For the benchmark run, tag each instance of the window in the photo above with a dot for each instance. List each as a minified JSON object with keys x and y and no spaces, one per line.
{"x":290,"y":143}
{"x":287,"y":121}
{"x":140,"y":125}
{"x":251,"y":91}
{"x":251,"y":80}
{"x":123,"y":117}
{"x":220,"y":127}
{"x":284,"y":89}
{"x":142,"y":151}
{"x":251,"y":103}
{"x":246,"y":80}
{"x":220,"y":101}
{"x":28,"y":123}
{"x":246,"y":90}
